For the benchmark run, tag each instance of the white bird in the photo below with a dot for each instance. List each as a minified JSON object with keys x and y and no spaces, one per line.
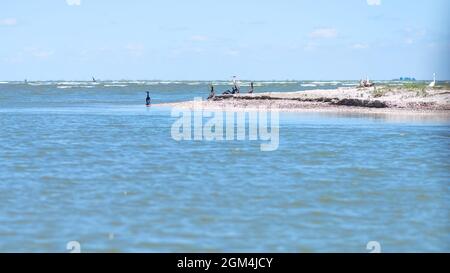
{"x":433,"y":83}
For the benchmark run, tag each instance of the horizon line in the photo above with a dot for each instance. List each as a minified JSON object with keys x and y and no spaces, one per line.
{"x":211,"y":80}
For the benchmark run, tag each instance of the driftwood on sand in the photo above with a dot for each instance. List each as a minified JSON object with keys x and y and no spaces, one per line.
{"x":333,"y":101}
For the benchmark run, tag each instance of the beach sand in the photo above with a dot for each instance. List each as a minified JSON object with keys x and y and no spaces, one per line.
{"x":379,"y":100}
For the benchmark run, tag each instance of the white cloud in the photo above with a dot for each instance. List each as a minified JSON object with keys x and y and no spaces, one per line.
{"x":310,"y":46}
{"x":198,"y":38}
{"x":374,"y":2}
{"x":416,"y":32}
{"x":413,"y":35}
{"x":409,"y":41}
{"x":324,"y":33}
{"x":14,"y":59}
{"x":73,"y":2}
{"x":43,"y":54}
{"x":38,"y":53}
{"x":135,"y":49}
{"x":197,"y":50}
{"x":360,"y":46}
{"x":8,"y":22}
{"x":232,"y":52}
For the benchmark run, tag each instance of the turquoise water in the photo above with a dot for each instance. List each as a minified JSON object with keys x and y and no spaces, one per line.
{"x":89,"y":163}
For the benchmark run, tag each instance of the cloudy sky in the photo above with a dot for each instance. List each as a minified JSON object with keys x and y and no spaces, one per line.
{"x":203,"y":39}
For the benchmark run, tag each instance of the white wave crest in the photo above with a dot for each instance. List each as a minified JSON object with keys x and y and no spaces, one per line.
{"x":115,"y":85}
{"x":327,"y":82}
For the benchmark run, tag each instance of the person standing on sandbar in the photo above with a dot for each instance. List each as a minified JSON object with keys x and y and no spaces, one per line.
{"x":212,"y":94}
{"x":251,"y":88}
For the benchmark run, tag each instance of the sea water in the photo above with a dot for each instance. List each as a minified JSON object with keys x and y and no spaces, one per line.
{"x":89,"y":163}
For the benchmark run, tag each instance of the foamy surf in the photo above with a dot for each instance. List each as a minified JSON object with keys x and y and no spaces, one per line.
{"x":326,"y":83}
{"x":115,"y":85}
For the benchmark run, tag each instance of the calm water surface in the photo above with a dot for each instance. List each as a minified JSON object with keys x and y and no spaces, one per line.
{"x":88,"y":162}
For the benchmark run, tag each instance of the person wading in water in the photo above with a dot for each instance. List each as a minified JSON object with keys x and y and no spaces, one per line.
{"x":148,"y":100}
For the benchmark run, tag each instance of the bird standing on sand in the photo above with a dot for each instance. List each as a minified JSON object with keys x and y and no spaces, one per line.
{"x":236,"y":85}
{"x":433,"y":83}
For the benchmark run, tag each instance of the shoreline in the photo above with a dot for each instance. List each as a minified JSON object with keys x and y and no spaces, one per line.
{"x":433,"y":102}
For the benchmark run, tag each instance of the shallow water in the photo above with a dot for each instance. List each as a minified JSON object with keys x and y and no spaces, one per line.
{"x":94,"y":165}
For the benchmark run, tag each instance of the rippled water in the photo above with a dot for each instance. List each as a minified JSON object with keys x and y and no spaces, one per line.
{"x":94,"y":165}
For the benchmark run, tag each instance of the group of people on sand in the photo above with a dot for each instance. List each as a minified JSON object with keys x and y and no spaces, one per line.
{"x":212,"y":94}
{"x":234,"y":90}
{"x":366,"y":83}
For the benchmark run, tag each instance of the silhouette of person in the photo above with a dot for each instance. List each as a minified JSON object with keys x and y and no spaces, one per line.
{"x":148,"y":100}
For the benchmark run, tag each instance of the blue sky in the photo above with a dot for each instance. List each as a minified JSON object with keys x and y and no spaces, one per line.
{"x":202,"y":40}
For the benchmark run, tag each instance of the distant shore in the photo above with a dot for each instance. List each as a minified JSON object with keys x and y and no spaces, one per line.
{"x":372,"y":100}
